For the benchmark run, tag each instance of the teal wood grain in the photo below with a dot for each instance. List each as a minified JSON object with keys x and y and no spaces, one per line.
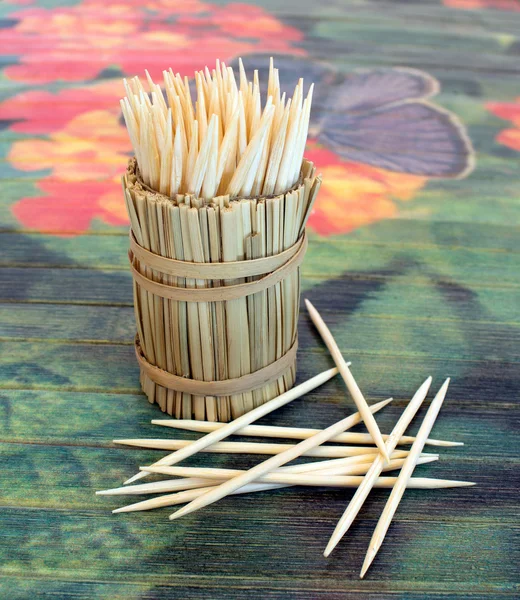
{"x":178,"y":554}
{"x":108,"y":251}
{"x":441,"y":336}
{"x":433,"y":290}
{"x":107,"y":367}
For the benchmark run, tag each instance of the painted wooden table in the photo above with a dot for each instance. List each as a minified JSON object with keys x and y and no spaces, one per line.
{"x":415,"y":270}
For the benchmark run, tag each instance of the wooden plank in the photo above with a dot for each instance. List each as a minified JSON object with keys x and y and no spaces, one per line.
{"x":110,"y":251}
{"x":94,"y":419}
{"x":440,"y":336}
{"x":66,"y":544}
{"x":85,"y":286}
{"x":109,"y":368}
{"x":20,"y":588}
{"x":335,"y":255}
{"x":66,"y":477}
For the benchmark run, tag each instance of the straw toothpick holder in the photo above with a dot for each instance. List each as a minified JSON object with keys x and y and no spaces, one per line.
{"x":216,"y":295}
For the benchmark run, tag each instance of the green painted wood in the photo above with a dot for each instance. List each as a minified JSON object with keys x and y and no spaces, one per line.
{"x":36,"y":416}
{"x":109,"y":251}
{"x":433,"y":291}
{"x":219,"y":590}
{"x":440,"y":336}
{"x":106,"y":367}
{"x":190,"y":551}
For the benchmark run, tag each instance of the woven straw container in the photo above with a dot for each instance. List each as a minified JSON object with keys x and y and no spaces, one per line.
{"x":216,"y":295}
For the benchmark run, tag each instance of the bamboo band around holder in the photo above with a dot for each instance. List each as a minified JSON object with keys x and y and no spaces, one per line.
{"x":293,"y":257}
{"x":227,"y":387}
{"x":227,"y":270}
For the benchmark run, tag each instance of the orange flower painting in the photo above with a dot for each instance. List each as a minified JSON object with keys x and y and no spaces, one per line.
{"x":512,"y":5}
{"x":380,"y":143}
{"x":353,"y":194}
{"x":83,"y":152}
{"x":509,"y":111}
{"x":136,"y":36}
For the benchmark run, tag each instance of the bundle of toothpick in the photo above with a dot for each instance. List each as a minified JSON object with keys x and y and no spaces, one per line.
{"x":218,"y":196}
{"x":356,"y":460}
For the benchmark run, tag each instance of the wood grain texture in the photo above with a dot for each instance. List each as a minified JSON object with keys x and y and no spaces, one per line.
{"x":418,"y":282}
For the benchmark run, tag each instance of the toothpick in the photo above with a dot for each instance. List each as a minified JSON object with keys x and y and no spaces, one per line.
{"x":404,"y":476}
{"x":377,"y":466}
{"x":245,"y":419}
{"x":268,"y":465}
{"x":158,"y":487}
{"x":336,"y":476}
{"x":271,"y":152}
{"x":337,"y":465}
{"x":421,"y":483}
{"x":349,"y":380}
{"x":243,"y":448}
{"x":299,"y":433}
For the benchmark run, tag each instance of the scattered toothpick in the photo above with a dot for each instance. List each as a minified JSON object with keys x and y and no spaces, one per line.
{"x":416,"y":483}
{"x":377,"y":466}
{"x":404,"y":476}
{"x":268,"y":465}
{"x":350,"y":382}
{"x":359,"y":467}
{"x":298,"y":433}
{"x":316,"y":478}
{"x":249,"y":448}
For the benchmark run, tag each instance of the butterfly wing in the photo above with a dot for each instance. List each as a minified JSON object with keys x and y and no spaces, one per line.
{"x":381,"y":119}
{"x":368,"y":89}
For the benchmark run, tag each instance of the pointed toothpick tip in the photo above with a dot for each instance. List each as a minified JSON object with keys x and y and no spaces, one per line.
{"x":135,"y":477}
{"x":330,"y":546}
{"x":371,"y":554}
{"x":175,"y":515}
{"x":429,"y":459}
{"x":122,"y":509}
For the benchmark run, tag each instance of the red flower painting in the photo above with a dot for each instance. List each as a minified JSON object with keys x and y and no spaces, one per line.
{"x":379,"y":143}
{"x":512,"y":5}
{"x":509,"y":111}
{"x":135,"y":36}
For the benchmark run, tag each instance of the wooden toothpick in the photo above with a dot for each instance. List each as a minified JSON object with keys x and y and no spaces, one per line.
{"x":250,"y":448}
{"x":417,"y":483}
{"x":350,"y":382}
{"x":298,"y":433}
{"x":339,"y":466}
{"x":276,"y":476}
{"x":157,"y":487}
{"x":404,"y":476}
{"x":268,"y":465}
{"x":172,"y":485}
{"x":315,"y":478}
{"x":377,"y":466}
